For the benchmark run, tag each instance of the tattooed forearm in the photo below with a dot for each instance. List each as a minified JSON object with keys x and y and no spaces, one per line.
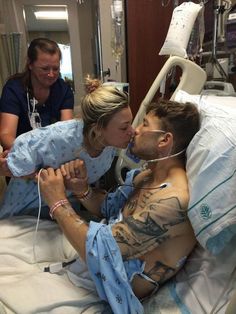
{"x":160,"y":272}
{"x":143,"y":232}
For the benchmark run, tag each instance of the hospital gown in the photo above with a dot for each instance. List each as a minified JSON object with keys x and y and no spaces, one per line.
{"x":49,"y":146}
{"x":110,"y":274}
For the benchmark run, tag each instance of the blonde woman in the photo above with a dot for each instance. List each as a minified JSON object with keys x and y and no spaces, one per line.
{"x":105,"y":125}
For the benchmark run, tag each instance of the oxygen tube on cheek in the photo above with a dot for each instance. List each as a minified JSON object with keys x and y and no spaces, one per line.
{"x":145,"y":165}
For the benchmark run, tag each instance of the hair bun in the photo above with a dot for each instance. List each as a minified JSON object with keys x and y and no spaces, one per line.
{"x":91,"y":84}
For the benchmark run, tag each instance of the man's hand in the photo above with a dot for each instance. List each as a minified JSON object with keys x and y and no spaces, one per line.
{"x":52,"y":186}
{"x":4,"y":170}
{"x":75,"y":176}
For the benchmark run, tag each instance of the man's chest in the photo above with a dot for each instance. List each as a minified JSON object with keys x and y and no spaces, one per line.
{"x":139,"y":201}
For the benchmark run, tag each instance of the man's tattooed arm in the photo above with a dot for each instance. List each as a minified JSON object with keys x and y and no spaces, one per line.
{"x":144,"y":231}
{"x":160,"y":272}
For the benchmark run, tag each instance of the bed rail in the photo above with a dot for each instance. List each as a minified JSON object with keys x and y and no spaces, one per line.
{"x":192,"y":81}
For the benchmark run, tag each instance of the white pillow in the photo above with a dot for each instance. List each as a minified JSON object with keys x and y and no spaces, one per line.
{"x":211,"y":171}
{"x":180,"y":28}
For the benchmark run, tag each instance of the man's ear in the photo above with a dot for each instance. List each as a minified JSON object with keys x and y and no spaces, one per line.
{"x":165,"y":139}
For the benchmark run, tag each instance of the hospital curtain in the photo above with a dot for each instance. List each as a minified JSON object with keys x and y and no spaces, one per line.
{"x":10,"y":54}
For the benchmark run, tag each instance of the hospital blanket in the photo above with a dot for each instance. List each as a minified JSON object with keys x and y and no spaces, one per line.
{"x":211,"y":171}
{"x":27,"y":289}
{"x":204,"y":285}
{"x":49,"y":146}
{"x":110,"y":274}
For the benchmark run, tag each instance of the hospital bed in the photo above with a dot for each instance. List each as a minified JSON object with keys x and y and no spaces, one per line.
{"x":205,"y":284}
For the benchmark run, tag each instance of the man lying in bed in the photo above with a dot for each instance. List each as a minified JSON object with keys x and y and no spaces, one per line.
{"x":148,"y":235}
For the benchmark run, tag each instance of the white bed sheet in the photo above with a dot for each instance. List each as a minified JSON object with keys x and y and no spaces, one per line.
{"x":204,"y":285}
{"x":26,"y":289}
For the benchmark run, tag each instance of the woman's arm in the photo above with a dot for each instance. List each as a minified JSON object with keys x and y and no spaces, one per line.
{"x":8,"y":128}
{"x":4,"y":170}
{"x":66,"y":114}
{"x":67,"y":103}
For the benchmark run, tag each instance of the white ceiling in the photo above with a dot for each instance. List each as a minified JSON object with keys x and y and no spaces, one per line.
{"x":43,"y":25}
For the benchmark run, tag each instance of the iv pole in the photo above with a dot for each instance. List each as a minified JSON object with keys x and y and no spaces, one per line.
{"x":102,"y":73}
{"x":218,"y":9}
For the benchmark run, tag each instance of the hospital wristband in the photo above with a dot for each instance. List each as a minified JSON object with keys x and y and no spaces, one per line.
{"x":56,"y":205}
{"x":86,"y":195}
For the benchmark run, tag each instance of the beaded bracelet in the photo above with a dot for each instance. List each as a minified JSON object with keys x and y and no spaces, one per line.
{"x":56,"y":205}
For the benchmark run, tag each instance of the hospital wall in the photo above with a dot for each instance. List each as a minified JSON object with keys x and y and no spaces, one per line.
{"x":81,"y":31}
{"x":146,"y":27}
{"x":147,"y":23}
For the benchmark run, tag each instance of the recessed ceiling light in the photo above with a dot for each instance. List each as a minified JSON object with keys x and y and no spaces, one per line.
{"x":51,"y":15}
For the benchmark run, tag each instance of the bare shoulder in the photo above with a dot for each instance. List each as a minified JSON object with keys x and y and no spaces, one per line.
{"x":140,"y":177}
{"x":172,"y":195}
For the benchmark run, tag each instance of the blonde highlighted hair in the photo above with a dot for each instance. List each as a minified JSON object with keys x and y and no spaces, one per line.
{"x":99,"y":105}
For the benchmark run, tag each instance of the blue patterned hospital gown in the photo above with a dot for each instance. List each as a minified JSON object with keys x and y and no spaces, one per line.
{"x":48,"y":146}
{"x":111,"y":275}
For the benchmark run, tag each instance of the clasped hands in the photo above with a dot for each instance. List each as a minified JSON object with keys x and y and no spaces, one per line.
{"x":70,"y":176}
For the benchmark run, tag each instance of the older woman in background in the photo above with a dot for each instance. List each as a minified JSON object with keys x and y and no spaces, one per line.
{"x":36,"y":97}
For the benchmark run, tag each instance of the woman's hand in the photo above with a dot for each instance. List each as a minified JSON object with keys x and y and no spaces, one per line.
{"x":4,"y":170}
{"x":52,"y":186}
{"x":75,"y":176}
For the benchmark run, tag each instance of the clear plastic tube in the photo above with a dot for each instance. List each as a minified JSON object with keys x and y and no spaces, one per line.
{"x":117,"y":30}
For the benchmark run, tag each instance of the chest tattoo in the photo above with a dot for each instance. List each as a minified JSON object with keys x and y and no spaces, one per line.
{"x":131,"y":205}
{"x":144,"y":198}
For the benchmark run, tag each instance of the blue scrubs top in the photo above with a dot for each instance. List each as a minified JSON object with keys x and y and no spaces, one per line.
{"x":14,"y":100}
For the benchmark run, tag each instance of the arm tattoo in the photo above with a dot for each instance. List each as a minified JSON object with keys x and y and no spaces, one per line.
{"x":146,"y":230}
{"x":160,"y":272}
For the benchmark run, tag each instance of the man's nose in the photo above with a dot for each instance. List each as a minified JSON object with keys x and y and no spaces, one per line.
{"x":51,"y":73}
{"x":136,"y":131}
